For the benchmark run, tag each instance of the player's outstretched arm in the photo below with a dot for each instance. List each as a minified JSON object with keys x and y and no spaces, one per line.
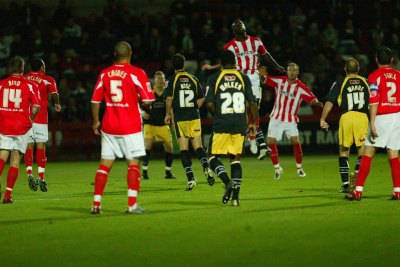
{"x":274,"y":64}
{"x":211,"y":67}
{"x":95,"y":115}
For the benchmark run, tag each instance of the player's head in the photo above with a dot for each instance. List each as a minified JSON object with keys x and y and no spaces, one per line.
{"x":228,"y":59}
{"x":16,"y":65}
{"x":178,"y":61}
{"x":37,"y":64}
{"x":292,"y":71}
{"x":384,"y":55}
{"x":238,"y":27}
{"x":159,"y":79}
{"x":351,"y":66}
{"x":123,"y":51}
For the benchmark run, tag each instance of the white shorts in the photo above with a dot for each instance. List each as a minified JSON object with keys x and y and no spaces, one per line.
{"x":128,"y":146}
{"x":19,"y":142}
{"x":255,"y":84}
{"x":40,"y":133}
{"x":276,"y":129}
{"x":388,"y":129}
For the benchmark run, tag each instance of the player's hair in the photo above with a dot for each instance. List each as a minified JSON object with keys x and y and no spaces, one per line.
{"x":36,"y":64}
{"x":384,"y":55}
{"x":159,"y":73}
{"x":228,"y":58}
{"x":122,"y":50}
{"x":16,"y":65}
{"x":293,"y":64}
{"x":236,"y":21}
{"x":352,"y":65}
{"x":178,"y":61}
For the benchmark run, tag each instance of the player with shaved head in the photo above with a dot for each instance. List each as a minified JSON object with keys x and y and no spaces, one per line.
{"x":123,"y":87}
{"x":352,"y":96}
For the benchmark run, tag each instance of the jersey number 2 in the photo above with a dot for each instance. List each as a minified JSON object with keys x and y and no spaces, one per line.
{"x":12,"y":95}
{"x":391,"y":92}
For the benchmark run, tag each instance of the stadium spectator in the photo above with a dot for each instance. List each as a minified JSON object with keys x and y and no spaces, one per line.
{"x":384,"y":132}
{"x":18,"y":108}
{"x":289,"y":93}
{"x":46,"y":86}
{"x":247,"y":50}
{"x":228,"y":91}
{"x":184,"y":98}
{"x":155,"y":127}
{"x":352,"y":96}
{"x":122,"y":86}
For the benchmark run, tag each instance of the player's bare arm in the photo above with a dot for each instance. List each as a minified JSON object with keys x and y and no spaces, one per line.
{"x":95,"y":115}
{"x":211,"y":67}
{"x":253,"y":107}
{"x":211,"y":108}
{"x":56,"y":100}
{"x":316,"y":103}
{"x":274,"y":64}
{"x":168,"y":113}
{"x":372,"y":116}
{"x":35,"y":110}
{"x":327,"y":108}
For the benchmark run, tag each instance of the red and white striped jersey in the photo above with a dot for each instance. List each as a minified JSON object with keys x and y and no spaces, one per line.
{"x":247,"y":53}
{"x":122,"y":86}
{"x":288,"y":97}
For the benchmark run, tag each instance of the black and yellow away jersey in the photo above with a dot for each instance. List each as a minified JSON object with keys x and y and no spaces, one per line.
{"x":157,"y":111}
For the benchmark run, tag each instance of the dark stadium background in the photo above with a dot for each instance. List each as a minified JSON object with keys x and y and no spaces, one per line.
{"x":76,"y":40}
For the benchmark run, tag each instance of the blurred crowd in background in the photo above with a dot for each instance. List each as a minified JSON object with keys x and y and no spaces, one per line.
{"x":316,"y":34}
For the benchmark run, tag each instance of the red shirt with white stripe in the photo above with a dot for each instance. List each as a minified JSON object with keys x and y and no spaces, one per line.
{"x":17,"y":96}
{"x":288,"y":97}
{"x":46,"y":85}
{"x":247,"y":53}
{"x":385,"y":89}
{"x":122,"y":86}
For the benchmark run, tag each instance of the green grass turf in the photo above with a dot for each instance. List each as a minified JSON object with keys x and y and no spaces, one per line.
{"x":291,"y":222}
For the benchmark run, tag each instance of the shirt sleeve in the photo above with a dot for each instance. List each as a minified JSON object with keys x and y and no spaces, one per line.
{"x":210,"y":88}
{"x":33,"y":89}
{"x":333,"y":93}
{"x":269,"y":81}
{"x":374,"y":94}
{"x":98,"y":93}
{"x":143,"y":85}
{"x":169,"y":89}
{"x":52,"y":86}
{"x":261,"y":48}
{"x":307,"y":95}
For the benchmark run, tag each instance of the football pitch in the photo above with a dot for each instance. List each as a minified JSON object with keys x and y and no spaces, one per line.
{"x":290,"y":222}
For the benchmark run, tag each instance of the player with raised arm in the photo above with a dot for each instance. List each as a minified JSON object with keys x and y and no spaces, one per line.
{"x":384,"y":129}
{"x":18,"y":107}
{"x":184,"y":98}
{"x":155,"y":127}
{"x":248,"y":49}
{"x":352,"y":96}
{"x":228,"y":90}
{"x":122,"y":86}
{"x":289,"y":93}
{"x":46,"y":86}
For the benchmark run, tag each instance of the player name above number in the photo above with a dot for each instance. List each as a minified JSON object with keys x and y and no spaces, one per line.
{"x":14,"y":83}
{"x":390,"y":76}
{"x":119,"y":73}
{"x":355,"y":88}
{"x":228,"y":85}
{"x":185,"y":85}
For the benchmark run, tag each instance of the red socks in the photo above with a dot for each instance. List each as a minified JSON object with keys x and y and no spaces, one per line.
{"x":274,"y":153}
{"x":100,"y":183}
{"x":28,"y":158}
{"x":365,"y":166}
{"x":41,"y":162}
{"x":298,"y":153}
{"x":2,"y":164}
{"x":12,"y":176}
{"x":395,"y":165}
{"x":133,"y":180}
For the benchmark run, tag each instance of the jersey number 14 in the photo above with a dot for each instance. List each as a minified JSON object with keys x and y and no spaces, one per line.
{"x":356,"y":98}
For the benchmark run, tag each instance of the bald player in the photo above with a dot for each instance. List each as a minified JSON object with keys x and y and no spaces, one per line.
{"x":352,"y":96}
{"x":123,"y":87}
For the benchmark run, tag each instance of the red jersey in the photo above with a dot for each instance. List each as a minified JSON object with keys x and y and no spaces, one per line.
{"x":385,"y":90}
{"x":16,"y":99}
{"x":46,"y":85}
{"x":247,"y":53}
{"x":288,"y":97}
{"x":121,"y":86}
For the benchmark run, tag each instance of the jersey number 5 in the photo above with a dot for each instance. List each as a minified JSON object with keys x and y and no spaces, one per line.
{"x":233,"y":103}
{"x":12,"y":95}
{"x":116,"y":92}
{"x":356,"y":98}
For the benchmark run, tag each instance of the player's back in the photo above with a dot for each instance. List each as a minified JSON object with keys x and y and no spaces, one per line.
{"x":354,"y":94}
{"x":231,"y":89}
{"x":17,"y":96}
{"x":121,"y":85}
{"x":46,"y":85}
{"x":385,"y":89}
{"x":185,"y":90}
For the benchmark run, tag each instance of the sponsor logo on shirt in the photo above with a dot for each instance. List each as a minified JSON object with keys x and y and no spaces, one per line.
{"x":230,"y":78}
{"x":354,"y":82}
{"x":184,"y":80}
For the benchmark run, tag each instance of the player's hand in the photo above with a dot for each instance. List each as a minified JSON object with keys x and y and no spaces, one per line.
{"x":167,"y":119}
{"x":324,"y":125}
{"x":96,"y":127}
{"x":57,"y":107}
{"x":206,"y":67}
{"x":374,"y":133}
{"x":146,"y":115}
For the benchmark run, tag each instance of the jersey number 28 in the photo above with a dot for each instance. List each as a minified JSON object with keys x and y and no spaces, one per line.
{"x":233,"y":103}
